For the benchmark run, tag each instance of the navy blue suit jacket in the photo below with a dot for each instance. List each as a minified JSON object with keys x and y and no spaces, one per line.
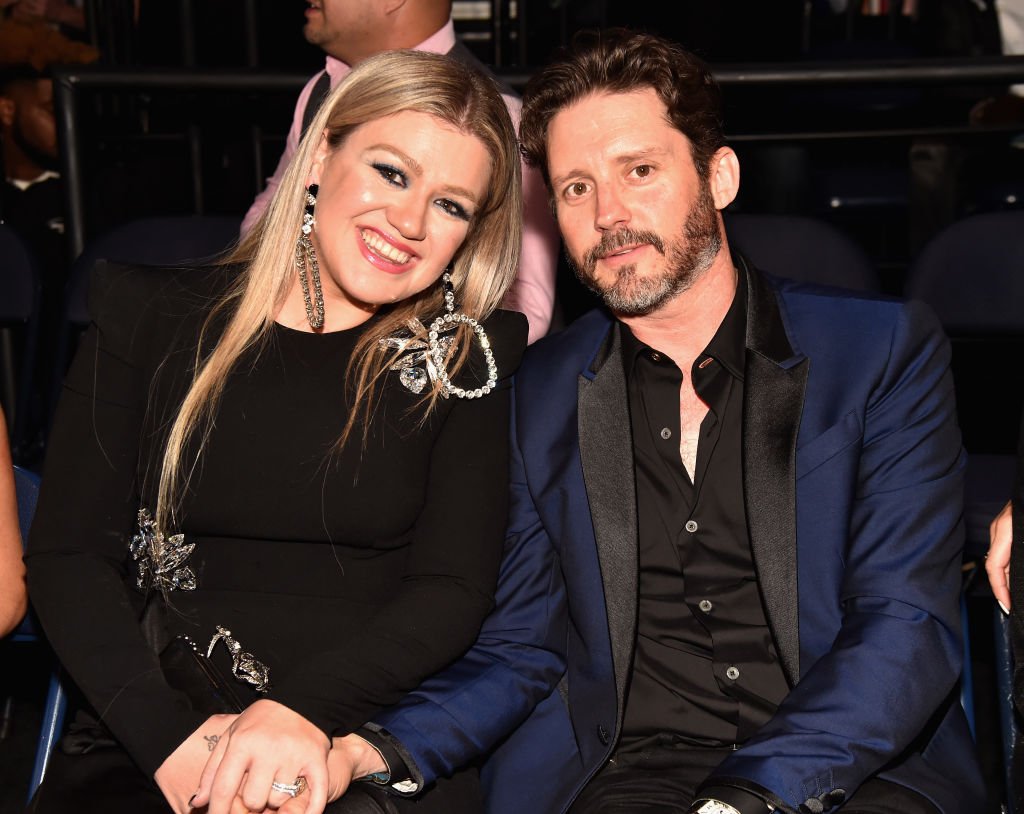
{"x":853,"y":478}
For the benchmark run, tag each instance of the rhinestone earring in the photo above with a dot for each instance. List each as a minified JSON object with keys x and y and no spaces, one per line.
{"x":306,"y":262}
{"x":447,"y":321}
{"x":433,"y":353}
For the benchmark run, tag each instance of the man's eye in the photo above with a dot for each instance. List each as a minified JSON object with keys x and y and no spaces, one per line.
{"x":392,"y":175}
{"x":643,"y":170}
{"x":577,"y":189}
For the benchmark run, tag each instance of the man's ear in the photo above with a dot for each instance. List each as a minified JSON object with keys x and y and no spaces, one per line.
{"x":7,"y":110}
{"x":320,"y":156}
{"x":724,"y":177}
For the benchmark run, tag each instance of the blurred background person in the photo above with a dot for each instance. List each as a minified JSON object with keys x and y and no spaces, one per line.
{"x":32,"y":196}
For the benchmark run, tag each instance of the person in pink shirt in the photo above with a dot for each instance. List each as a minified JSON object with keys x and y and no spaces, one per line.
{"x":350,"y":31}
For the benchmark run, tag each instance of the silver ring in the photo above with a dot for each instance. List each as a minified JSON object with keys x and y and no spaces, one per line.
{"x":291,"y":789}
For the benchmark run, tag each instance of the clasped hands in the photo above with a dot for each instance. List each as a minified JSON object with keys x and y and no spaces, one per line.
{"x":228,"y":765}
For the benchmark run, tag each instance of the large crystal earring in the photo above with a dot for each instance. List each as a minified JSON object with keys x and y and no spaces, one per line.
{"x":438,"y":351}
{"x":433,"y":354}
{"x":306,"y":262}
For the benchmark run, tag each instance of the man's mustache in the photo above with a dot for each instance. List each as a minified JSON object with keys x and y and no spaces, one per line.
{"x":613,"y":241}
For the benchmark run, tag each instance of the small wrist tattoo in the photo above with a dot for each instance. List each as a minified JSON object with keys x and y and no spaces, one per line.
{"x":211,"y":741}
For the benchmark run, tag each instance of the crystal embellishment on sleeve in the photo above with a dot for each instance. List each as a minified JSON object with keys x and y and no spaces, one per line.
{"x":160,"y":560}
{"x":411,"y":353}
{"x":244,"y":666}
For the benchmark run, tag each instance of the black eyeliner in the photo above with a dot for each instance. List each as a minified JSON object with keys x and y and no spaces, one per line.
{"x":386,"y":169}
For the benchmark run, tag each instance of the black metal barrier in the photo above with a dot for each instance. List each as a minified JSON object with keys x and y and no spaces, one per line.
{"x":69,"y":83}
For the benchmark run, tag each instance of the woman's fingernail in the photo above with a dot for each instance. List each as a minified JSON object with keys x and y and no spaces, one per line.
{"x":1003,"y":607}
{"x":190,"y":799}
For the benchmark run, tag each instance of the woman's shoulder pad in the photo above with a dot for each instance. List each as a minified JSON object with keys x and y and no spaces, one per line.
{"x":141,"y":310}
{"x":507,"y":332}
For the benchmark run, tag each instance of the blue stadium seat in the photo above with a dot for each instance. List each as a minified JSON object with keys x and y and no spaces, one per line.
{"x":801,"y":248}
{"x":19,"y":318}
{"x":27,"y":486}
{"x":161,"y":241}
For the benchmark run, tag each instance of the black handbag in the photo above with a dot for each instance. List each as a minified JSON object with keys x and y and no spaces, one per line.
{"x":187,"y":669}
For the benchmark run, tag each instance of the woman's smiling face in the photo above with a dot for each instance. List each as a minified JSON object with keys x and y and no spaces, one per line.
{"x":397,"y":199}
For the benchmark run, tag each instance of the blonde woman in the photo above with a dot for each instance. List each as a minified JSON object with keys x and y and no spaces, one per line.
{"x":323,"y":421}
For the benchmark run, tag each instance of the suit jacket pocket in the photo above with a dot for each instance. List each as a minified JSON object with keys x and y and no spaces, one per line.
{"x":812,"y":454}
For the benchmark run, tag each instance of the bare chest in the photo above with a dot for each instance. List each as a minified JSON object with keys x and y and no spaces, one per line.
{"x":691,"y":413}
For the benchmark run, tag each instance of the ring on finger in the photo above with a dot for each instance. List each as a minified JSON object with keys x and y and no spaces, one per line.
{"x":291,"y":789}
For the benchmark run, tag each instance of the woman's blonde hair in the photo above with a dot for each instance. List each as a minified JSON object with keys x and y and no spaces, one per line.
{"x":482,"y":269}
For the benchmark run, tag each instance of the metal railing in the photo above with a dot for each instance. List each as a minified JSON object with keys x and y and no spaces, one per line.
{"x":70,"y":83}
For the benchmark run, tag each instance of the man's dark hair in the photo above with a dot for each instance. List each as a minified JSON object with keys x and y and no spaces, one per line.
{"x":621,"y":61}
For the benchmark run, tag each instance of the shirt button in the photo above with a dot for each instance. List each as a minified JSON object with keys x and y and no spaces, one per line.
{"x":655,"y":356}
{"x":732,"y":673}
{"x":705,"y":605}
{"x":691,"y":526}
{"x":666,"y":433}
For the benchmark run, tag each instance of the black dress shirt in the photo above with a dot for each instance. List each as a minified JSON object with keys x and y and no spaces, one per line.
{"x":705,"y":670}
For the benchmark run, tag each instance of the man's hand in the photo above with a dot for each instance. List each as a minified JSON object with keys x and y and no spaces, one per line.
{"x":997,"y":561}
{"x":178,"y":776}
{"x":268,"y":742}
{"x":350,"y":758}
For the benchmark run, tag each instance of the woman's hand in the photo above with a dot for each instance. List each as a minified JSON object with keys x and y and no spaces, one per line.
{"x":350,"y":758}
{"x":997,"y":561}
{"x":178,"y":776}
{"x":268,"y":742}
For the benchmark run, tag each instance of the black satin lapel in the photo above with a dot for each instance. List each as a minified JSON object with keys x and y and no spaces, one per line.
{"x":774,"y":383}
{"x":606,"y":451}
{"x":773,"y":401}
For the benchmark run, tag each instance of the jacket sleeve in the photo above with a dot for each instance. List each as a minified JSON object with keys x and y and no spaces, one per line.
{"x":463,"y":712}
{"x":87,"y":510}
{"x":898,"y":651}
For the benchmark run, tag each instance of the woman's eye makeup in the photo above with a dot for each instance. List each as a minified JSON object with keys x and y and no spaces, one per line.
{"x":391,"y":174}
{"x":398,"y":178}
{"x":456,"y":210}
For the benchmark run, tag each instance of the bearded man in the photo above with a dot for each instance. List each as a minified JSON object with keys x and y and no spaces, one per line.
{"x":735,"y":508}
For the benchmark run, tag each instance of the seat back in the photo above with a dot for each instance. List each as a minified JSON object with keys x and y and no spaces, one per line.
{"x":801,"y":248}
{"x":164,"y":241}
{"x":26,"y":484}
{"x":19,"y":284}
{"x":1007,"y":712}
{"x":19,"y":332}
{"x":972,"y":275}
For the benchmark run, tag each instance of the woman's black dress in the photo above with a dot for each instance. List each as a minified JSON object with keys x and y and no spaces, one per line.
{"x":352,"y":574}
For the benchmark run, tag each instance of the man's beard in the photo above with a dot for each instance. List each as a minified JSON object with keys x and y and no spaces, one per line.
{"x":688,"y":256}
